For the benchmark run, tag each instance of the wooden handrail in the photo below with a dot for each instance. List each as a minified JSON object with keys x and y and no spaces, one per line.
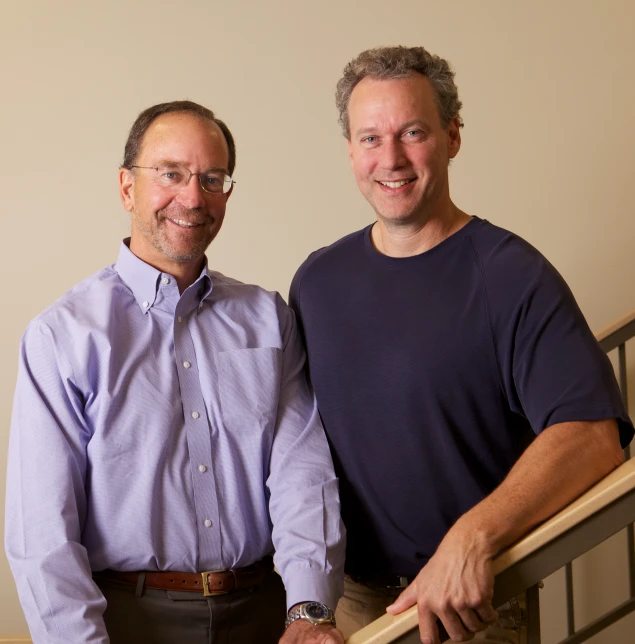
{"x":610,"y":489}
{"x":612,"y":336}
{"x":615,"y":326}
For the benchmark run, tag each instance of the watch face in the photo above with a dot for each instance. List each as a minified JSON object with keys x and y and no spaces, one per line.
{"x":316,"y":611}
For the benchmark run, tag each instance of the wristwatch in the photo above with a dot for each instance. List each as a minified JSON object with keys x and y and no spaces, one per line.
{"x":313,"y":612}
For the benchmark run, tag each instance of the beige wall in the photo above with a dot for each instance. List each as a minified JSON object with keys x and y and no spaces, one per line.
{"x":548,"y":149}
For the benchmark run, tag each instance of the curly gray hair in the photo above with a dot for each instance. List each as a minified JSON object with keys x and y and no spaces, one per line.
{"x":385,"y":63}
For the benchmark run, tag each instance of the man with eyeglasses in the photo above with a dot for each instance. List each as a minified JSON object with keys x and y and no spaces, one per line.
{"x":164,"y":439}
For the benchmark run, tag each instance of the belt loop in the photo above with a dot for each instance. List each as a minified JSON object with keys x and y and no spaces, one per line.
{"x":141,"y":580}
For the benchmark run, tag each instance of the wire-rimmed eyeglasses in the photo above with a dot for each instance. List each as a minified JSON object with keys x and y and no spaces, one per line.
{"x":176,"y":176}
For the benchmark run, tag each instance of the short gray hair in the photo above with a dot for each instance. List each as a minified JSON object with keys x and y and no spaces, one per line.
{"x":385,"y":63}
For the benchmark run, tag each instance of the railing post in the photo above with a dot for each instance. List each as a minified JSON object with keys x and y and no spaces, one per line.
{"x":568,"y":577}
{"x":533,"y":615}
{"x":630,"y":532}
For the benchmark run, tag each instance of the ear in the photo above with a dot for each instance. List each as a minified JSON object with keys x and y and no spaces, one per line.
{"x":349,"y":147}
{"x":126,"y":188}
{"x":454,"y":137}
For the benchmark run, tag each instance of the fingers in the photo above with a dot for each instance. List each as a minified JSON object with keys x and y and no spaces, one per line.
{"x":428,"y":630}
{"x":407,"y":599}
{"x":472,"y":620}
{"x":460,"y":623}
{"x":487,"y":613}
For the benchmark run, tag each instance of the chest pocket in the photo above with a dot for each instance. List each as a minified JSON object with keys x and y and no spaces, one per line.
{"x":250,"y":388}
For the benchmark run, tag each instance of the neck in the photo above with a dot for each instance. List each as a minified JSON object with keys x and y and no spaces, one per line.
{"x":404,"y":239}
{"x":184,"y":272}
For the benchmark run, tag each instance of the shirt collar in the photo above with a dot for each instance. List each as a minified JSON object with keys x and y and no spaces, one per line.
{"x":143,"y":279}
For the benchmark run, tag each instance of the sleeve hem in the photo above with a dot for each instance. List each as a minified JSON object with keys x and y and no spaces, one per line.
{"x":570,"y":414}
{"x":304,"y":585}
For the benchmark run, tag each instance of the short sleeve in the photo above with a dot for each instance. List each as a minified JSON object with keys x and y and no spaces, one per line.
{"x":552,"y":368}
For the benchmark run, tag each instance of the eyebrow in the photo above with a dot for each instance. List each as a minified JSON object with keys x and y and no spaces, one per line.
{"x":171,"y":162}
{"x":405,"y":126}
{"x":408,"y":124}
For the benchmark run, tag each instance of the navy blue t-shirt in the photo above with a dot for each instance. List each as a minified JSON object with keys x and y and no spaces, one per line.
{"x":433,"y":373}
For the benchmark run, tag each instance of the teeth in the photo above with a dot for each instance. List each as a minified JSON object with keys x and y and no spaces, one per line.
{"x":394,"y":184}
{"x":186,"y":224}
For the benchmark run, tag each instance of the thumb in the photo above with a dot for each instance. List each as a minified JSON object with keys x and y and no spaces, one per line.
{"x":407,"y":599}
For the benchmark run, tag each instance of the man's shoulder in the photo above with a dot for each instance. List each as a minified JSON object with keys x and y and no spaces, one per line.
{"x":79,"y":300}
{"x":330,"y":260}
{"x":513,"y":270}
{"x":231,"y":285}
{"x":242,"y":295}
{"x":494,"y":243}
{"x":502,"y":253}
{"x":338,"y":249}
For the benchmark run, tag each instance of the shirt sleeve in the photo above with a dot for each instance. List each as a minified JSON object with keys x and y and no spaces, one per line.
{"x":308,"y":534}
{"x":46,"y":499}
{"x":552,"y":367}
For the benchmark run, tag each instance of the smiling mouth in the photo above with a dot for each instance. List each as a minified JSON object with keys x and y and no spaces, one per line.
{"x":184,"y":224}
{"x":395,"y":184}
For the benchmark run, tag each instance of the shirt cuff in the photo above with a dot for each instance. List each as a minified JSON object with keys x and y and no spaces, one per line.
{"x":306,"y":585}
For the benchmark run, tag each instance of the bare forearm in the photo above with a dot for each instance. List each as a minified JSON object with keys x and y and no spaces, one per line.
{"x":457,"y":584}
{"x":558,"y":466}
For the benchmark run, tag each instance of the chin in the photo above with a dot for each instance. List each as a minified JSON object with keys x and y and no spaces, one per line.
{"x":397,"y":218}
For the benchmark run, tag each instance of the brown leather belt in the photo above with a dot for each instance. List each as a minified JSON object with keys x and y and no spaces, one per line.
{"x":210,"y":582}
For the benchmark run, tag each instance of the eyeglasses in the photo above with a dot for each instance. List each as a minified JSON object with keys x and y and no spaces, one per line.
{"x":176,"y":176}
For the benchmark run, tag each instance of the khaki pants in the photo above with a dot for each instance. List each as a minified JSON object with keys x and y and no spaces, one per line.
{"x":361,"y":605}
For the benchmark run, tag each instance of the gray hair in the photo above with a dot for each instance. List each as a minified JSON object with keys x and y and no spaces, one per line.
{"x":385,"y":63}
{"x":145,"y":119}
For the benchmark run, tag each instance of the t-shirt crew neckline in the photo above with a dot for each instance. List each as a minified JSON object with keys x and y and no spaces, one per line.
{"x":448,"y":242}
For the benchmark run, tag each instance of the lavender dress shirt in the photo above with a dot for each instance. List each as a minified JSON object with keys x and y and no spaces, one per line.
{"x":158,"y":431}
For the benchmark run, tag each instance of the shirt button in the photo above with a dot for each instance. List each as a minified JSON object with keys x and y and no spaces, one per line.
{"x":146,"y":305}
{"x":180,"y":319}
{"x":208,"y":523}
{"x":187,"y":365}
{"x":202,"y":468}
{"x":165,"y":280}
{"x":195,"y":414}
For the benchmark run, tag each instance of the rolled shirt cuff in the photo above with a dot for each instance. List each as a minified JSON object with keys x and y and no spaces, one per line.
{"x":306,"y":585}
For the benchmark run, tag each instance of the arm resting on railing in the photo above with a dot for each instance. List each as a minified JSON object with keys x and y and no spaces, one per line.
{"x":456,"y":585}
{"x":577,"y":516}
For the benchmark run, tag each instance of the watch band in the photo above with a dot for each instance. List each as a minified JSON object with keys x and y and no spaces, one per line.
{"x":313,"y":612}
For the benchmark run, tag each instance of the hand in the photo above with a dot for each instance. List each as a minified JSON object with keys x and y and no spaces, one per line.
{"x":303,"y":632}
{"x":456,"y":586}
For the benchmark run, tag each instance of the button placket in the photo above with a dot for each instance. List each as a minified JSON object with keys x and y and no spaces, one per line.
{"x":198,"y":436}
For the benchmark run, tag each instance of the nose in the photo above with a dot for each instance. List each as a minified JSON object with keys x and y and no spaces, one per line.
{"x":191,"y":194}
{"x":393,"y":155}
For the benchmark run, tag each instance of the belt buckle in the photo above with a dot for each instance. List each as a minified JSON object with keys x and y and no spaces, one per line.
{"x":206,"y":591}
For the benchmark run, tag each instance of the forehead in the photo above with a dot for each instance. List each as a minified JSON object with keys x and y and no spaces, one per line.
{"x":377,"y":103}
{"x":186,"y":138}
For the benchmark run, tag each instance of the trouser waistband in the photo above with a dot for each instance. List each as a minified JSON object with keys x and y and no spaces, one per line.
{"x":210,"y":582}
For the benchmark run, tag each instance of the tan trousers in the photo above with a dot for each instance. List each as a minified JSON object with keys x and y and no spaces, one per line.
{"x":361,"y":605}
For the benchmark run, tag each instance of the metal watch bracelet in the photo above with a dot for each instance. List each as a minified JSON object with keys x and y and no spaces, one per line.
{"x":313,"y":612}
